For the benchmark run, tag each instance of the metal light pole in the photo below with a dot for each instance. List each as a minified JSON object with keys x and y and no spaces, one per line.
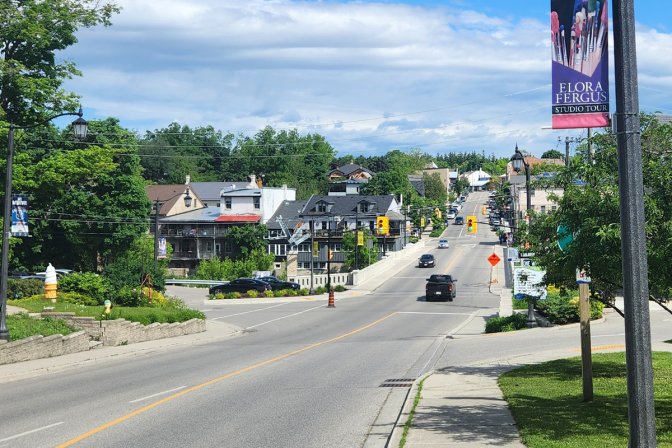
{"x":330,"y":290}
{"x":518,"y":161}
{"x":641,"y":413}
{"x":80,"y":127}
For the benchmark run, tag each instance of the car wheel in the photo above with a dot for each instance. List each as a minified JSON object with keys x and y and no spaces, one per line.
{"x":428,"y":298}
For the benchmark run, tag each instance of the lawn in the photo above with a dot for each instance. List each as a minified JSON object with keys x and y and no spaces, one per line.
{"x":21,"y":326}
{"x":546,"y":402}
{"x":144,"y":315}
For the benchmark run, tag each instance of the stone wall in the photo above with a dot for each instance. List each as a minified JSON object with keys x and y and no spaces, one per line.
{"x":109,"y":332}
{"x":36,"y":347}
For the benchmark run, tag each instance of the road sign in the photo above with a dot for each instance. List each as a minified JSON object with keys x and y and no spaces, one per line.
{"x":565,"y":237}
{"x":494,"y":259}
{"x":360,"y":238}
{"x":316,"y":249}
{"x":582,"y":277}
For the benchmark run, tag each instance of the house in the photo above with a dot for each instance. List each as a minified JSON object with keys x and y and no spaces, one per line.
{"x":200,"y":232}
{"x":348,"y":179}
{"x":478,"y":180}
{"x":444,"y":174}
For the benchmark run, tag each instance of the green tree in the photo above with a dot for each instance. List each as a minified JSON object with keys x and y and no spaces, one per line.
{"x":366,"y":254}
{"x":435,"y":190}
{"x":31,"y":34}
{"x":552,"y":154}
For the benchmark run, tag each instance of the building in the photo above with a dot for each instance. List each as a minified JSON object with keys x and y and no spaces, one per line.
{"x":478,"y":180}
{"x":348,"y":179}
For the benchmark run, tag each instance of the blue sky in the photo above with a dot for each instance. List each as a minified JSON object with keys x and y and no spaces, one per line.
{"x":441,"y":76}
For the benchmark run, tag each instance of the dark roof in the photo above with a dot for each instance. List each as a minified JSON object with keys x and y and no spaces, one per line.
{"x":350,"y":168}
{"x":418,"y":183}
{"x":289,"y":210}
{"x":210,"y":191}
{"x":347,"y":205}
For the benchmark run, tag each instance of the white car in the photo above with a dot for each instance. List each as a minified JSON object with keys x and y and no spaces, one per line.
{"x":443,"y":244}
{"x":451,"y":215}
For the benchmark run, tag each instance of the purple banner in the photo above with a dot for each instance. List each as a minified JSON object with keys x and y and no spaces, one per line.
{"x":579,"y":31}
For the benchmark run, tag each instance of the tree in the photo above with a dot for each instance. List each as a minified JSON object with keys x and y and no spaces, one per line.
{"x":435,"y":189}
{"x":31,"y":33}
{"x":552,"y":154}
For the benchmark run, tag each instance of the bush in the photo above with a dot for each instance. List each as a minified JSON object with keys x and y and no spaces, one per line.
{"x":340,"y":288}
{"x":235,"y":295}
{"x":20,"y":289}
{"x":86,"y":283}
{"x":153,"y":297}
{"x":320,"y":290}
{"x":218,"y":296}
{"x":514,"y":322}
{"x":253,"y":293}
{"x":268,"y":293}
{"x":280,"y":293}
{"x":562,"y":309}
{"x":304,"y":291}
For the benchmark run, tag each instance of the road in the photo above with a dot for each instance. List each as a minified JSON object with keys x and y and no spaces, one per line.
{"x":301,"y":375}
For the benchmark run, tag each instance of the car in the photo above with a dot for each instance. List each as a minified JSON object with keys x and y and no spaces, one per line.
{"x":443,"y":244}
{"x":426,"y":261}
{"x":241,"y":285}
{"x":459,"y":220}
{"x":451,"y":214}
{"x":276,"y":283}
{"x":440,"y":285}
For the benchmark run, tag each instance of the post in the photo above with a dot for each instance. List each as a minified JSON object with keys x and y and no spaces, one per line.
{"x":330,"y":290}
{"x":6,"y":229}
{"x":531,"y":319}
{"x":641,"y":414}
{"x":567,"y":151}
{"x":156,"y":233}
{"x":312,"y":256}
{"x":586,"y":354}
{"x":356,"y":239}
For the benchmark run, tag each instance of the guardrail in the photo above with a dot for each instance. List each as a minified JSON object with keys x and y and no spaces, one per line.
{"x":181,"y":281}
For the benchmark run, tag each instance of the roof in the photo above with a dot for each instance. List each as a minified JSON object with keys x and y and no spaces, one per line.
{"x":349,"y":168}
{"x":207,"y":214}
{"x":289,"y":210}
{"x":238,"y":192}
{"x":211,"y":191}
{"x":167,"y":195}
{"x":347,"y":205}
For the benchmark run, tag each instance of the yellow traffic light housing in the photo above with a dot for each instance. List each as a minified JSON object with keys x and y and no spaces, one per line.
{"x":382,"y":225}
{"x":472,"y":225}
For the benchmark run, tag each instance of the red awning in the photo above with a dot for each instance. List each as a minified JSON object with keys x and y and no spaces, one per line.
{"x":238,"y":218}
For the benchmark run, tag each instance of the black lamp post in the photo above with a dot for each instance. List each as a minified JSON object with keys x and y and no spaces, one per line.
{"x":518,"y":161}
{"x":80,"y":127}
{"x":157,"y":206}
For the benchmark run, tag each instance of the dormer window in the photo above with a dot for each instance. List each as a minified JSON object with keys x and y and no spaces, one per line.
{"x":321,"y":207}
{"x":364,"y":207}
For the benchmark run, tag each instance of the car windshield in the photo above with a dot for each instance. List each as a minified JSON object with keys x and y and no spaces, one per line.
{"x":440,"y":278}
{"x":427,"y":257}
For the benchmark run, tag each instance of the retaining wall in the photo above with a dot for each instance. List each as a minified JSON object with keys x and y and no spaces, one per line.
{"x":36,"y":347}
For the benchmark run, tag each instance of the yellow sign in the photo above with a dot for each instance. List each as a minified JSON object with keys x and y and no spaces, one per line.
{"x":382,"y":225}
{"x":422,"y":221}
{"x":360,"y":238}
{"x":316,"y":249}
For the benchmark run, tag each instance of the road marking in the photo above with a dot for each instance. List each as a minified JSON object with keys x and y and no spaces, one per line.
{"x":423,"y":312}
{"x":285,"y":317}
{"x":7,"y":439}
{"x":150,"y":406}
{"x":607,"y":335}
{"x":251,"y":311}
{"x":157,"y":394}
{"x":602,"y":347}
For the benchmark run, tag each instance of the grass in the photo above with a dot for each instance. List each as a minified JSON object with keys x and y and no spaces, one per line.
{"x":409,"y":420}
{"x":21,"y":326}
{"x":143,"y":315}
{"x":546,"y":402}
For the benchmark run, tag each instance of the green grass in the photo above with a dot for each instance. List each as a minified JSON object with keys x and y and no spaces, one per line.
{"x":411,"y":415}
{"x":144,"y":315}
{"x":546,"y":402}
{"x":21,"y":326}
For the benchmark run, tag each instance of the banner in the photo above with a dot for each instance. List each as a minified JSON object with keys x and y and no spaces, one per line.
{"x":580,"y":72}
{"x":162,"y":249}
{"x":19,"y":225}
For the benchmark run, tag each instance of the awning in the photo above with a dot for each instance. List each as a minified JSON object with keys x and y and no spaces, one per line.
{"x":238,"y":218}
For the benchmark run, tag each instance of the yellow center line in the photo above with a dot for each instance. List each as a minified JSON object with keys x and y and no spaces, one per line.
{"x":143,"y":409}
{"x":603,"y":347}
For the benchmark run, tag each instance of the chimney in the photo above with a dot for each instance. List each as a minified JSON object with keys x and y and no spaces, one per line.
{"x":253,"y":181}
{"x":188,"y":179}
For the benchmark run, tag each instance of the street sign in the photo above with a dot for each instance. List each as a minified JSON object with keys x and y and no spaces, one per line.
{"x":565,"y":237}
{"x":316,"y":249}
{"x":582,"y":277}
{"x":528,"y":282}
{"x":494,"y":259}
{"x":360,"y":238}
{"x":512,"y":254}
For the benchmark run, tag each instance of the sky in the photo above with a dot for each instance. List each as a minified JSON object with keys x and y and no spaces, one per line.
{"x":371,"y":76}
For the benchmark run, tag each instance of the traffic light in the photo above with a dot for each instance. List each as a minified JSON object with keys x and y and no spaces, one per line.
{"x":437,"y":212}
{"x":382,"y":225}
{"x":471,"y":224}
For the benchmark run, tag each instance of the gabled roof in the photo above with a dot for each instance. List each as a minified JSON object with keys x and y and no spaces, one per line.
{"x":347,"y":205}
{"x":348,"y":169}
{"x":210,"y":191}
{"x":289,"y":210}
{"x":167,"y":195}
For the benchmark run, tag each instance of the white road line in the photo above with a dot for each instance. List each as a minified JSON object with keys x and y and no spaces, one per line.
{"x":157,"y":394}
{"x":607,"y":335}
{"x":285,"y":317}
{"x":424,"y":312}
{"x":251,"y":311}
{"x":7,"y":439}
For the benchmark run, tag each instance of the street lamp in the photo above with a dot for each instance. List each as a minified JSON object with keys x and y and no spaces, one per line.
{"x":518,"y":162}
{"x":80,"y":127}
{"x":157,"y":206}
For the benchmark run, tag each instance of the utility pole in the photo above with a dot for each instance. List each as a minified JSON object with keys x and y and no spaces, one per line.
{"x":357,"y":238}
{"x":641,"y":413}
{"x":156,"y":233}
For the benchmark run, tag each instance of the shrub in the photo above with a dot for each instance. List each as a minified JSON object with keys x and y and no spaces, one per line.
{"x":236,"y":295}
{"x":320,"y":290}
{"x":514,"y":322}
{"x":218,"y":296}
{"x":20,"y":289}
{"x":563,"y":309}
{"x":253,"y":293}
{"x":87,"y":283}
{"x":340,"y":288}
{"x":304,"y":292}
{"x":268,"y":293}
{"x":153,"y":297}
{"x":128,"y":296}
{"x":280,"y":293}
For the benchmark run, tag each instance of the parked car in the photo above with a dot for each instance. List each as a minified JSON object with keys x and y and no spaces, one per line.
{"x":459,"y":220}
{"x":426,"y":261}
{"x":276,"y":283}
{"x":440,"y":285}
{"x":241,"y":285}
{"x":443,"y":244}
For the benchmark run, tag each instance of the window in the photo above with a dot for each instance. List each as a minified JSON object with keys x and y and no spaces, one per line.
{"x":304,"y":247}
{"x":336,"y":247}
{"x":321,"y":207}
{"x":543,"y":209}
{"x":227,"y":202}
{"x":277,"y":249}
{"x":554,"y":207}
{"x":364,"y":207}
{"x":257,"y":202}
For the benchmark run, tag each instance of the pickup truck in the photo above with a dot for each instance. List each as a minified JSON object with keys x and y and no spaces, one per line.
{"x":440,"y":285}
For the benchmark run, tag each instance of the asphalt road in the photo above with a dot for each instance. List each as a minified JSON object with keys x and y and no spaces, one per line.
{"x":302,"y":375}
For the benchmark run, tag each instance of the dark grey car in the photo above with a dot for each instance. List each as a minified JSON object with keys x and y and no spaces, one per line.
{"x":426,"y":261}
{"x":241,"y":285}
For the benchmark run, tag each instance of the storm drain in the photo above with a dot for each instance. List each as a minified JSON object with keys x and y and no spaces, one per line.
{"x":398,"y":382}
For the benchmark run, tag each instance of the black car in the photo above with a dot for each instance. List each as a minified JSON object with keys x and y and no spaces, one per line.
{"x":426,"y":261}
{"x":276,"y":283}
{"x":459,"y":221}
{"x":241,"y":285}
